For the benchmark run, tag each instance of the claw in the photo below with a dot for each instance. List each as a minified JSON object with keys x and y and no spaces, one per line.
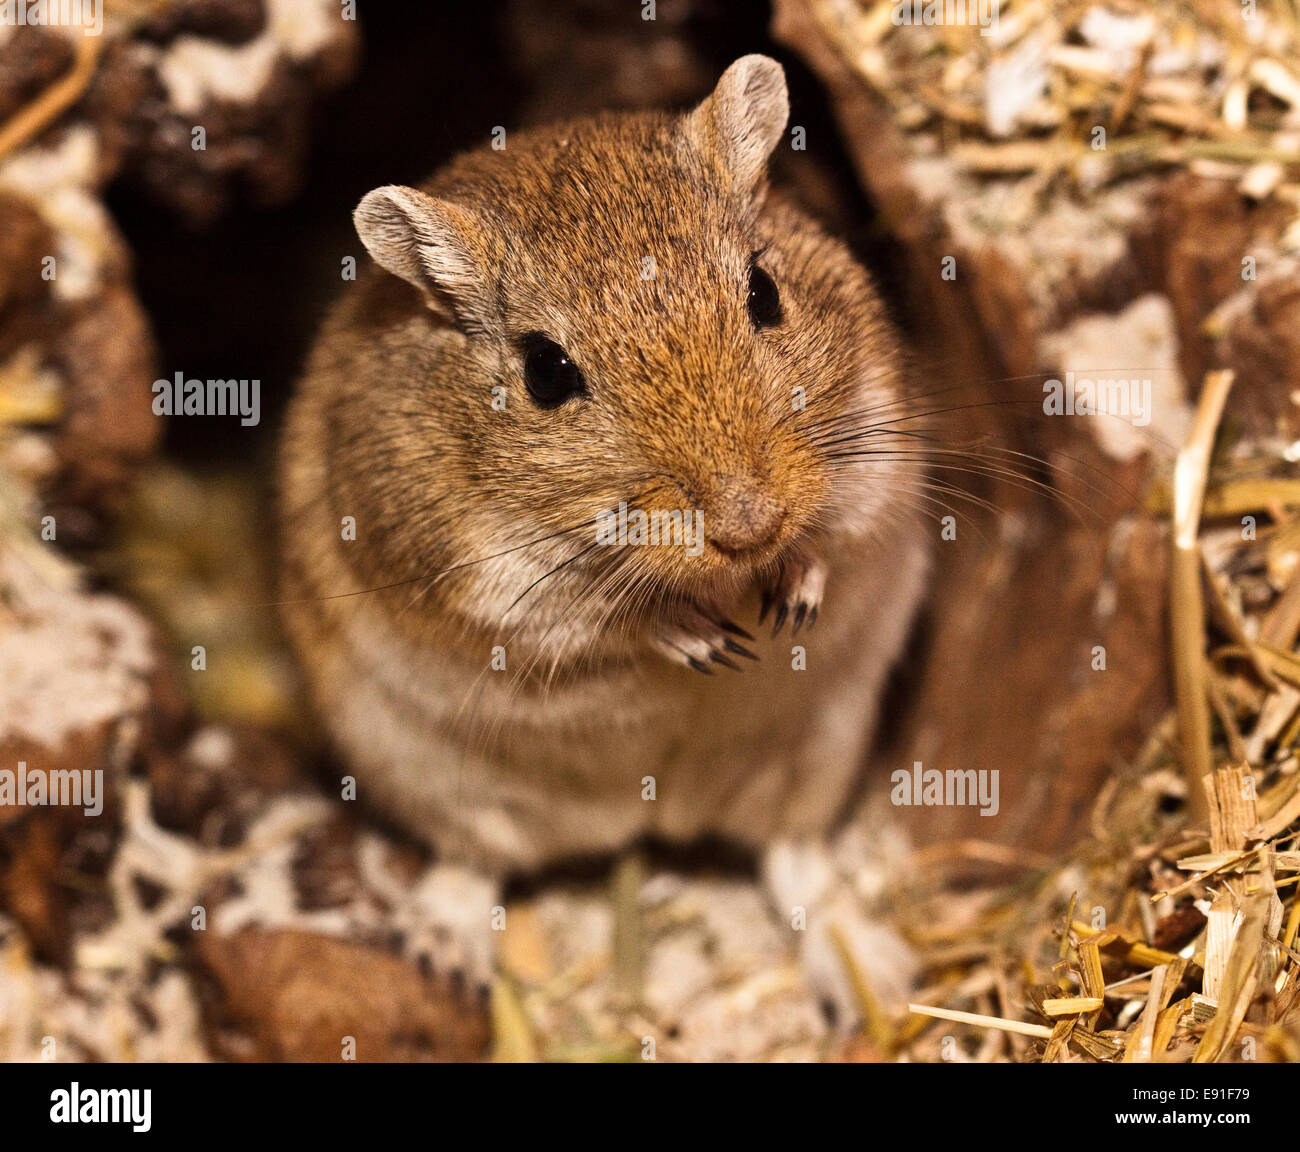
{"x":800,"y":614}
{"x":734,"y":628}
{"x":740,"y":650}
{"x":782,"y":611}
{"x":699,"y":665}
{"x":769,"y":598}
{"x":725,"y":661}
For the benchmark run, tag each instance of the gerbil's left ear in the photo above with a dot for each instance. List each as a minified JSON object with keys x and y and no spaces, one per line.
{"x":742,"y":120}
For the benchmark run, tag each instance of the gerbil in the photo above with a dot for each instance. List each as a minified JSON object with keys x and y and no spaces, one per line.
{"x":613,"y":310}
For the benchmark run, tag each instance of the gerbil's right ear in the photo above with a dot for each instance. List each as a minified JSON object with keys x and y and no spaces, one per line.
{"x":741,"y":121}
{"x":428,"y":243}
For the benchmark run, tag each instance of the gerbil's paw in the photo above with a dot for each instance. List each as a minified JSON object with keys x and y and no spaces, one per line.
{"x":693,"y":640}
{"x":454,"y":929}
{"x":880,"y":957}
{"x":836,"y":937}
{"x":795,"y":593}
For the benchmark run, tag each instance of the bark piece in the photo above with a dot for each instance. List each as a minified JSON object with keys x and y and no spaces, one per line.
{"x":296,"y":996}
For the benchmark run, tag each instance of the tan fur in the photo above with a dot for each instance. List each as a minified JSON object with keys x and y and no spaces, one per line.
{"x":688,"y":407}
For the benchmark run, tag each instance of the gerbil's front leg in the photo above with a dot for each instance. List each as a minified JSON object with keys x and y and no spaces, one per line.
{"x":697,"y":641}
{"x":795,"y":592}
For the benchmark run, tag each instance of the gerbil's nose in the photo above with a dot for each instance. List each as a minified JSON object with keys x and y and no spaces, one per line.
{"x":740,"y":515}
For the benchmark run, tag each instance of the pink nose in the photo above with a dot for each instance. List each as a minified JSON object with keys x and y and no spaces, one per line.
{"x":740,"y":515}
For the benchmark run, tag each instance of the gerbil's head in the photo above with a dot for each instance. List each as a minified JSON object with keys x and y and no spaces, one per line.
{"x":625,"y":315}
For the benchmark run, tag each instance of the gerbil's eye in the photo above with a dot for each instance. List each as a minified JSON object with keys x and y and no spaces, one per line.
{"x":552,"y":378}
{"x":764,"y":300}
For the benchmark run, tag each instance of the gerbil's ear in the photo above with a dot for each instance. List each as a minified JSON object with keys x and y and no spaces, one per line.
{"x":742,"y":120}
{"x":429,"y":243}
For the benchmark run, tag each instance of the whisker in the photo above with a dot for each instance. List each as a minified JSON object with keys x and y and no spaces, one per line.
{"x":432,"y":576}
{"x":1009,"y":403}
{"x":1017,"y":480}
{"x":546,"y":575}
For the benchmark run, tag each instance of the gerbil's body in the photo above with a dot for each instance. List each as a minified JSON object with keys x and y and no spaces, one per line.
{"x":499,"y":682}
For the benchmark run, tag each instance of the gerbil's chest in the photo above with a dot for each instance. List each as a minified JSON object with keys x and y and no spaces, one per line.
{"x":584,"y":766}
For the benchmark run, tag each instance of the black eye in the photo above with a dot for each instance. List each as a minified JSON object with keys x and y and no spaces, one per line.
{"x":764,"y":300}
{"x":552,"y":378}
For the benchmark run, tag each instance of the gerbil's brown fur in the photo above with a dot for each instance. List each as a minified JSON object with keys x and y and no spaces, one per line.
{"x":627,"y":240}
